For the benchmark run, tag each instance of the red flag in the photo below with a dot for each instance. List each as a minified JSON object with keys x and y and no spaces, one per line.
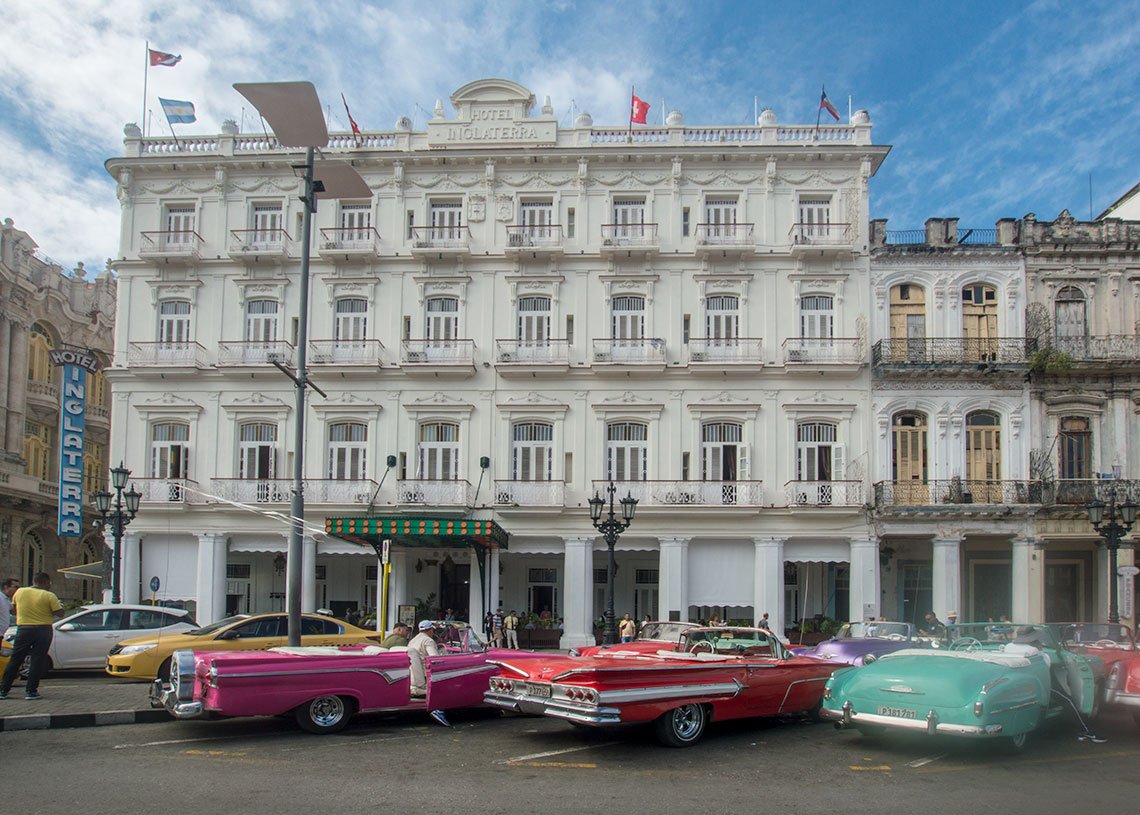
{"x":638,"y":110}
{"x":825,"y":104}
{"x":352,"y":122}
{"x":162,"y":58}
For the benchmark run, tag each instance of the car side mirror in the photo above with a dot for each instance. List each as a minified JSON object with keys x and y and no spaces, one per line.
{"x":67,"y":627}
{"x":229,"y":635}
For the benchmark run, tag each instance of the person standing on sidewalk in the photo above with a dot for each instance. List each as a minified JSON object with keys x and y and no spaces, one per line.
{"x":511,"y":629}
{"x":36,"y":606}
{"x":6,"y":591}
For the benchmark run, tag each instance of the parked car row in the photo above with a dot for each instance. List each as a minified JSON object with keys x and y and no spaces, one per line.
{"x":987,"y":681}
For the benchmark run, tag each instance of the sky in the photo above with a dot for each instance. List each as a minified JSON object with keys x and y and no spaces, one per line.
{"x":993,"y":109}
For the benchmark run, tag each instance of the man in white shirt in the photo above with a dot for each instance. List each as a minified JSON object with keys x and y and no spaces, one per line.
{"x":422,"y":646}
{"x":6,"y":591}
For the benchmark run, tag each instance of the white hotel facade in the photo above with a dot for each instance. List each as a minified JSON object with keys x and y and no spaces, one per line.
{"x":520,"y":313}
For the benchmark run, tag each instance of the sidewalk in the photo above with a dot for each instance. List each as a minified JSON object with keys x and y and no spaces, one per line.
{"x":79,"y":700}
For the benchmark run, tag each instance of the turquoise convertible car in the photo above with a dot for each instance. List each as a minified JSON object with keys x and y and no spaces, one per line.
{"x":985,"y":680}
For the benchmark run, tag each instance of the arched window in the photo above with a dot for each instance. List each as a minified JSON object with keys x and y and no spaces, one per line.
{"x":96,"y":389}
{"x":348,"y":451}
{"x":33,"y":559}
{"x":724,"y":459}
{"x":94,"y":466}
{"x":442,"y":325}
{"x":908,"y":322}
{"x":170,"y":453}
{"x":1071,"y":317}
{"x":532,"y":451}
{"x":983,"y":456}
{"x":37,"y":449}
{"x":351,"y":320}
{"x":40,"y":346}
{"x":979,"y":322}
{"x":438,"y":452}
{"x":174,"y":322}
{"x":722,"y":317}
{"x":533,"y":321}
{"x":820,"y":461}
{"x":261,"y":321}
{"x":627,"y":451}
{"x":627,"y":318}
{"x":1075,"y":447}
{"x":909,"y":465}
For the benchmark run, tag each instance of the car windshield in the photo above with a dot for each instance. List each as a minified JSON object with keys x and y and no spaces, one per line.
{"x":876,"y":630}
{"x":1092,"y":633}
{"x":219,"y":625}
{"x":663,"y":631}
{"x":993,"y":634}
{"x":733,"y":641}
{"x":457,"y":637}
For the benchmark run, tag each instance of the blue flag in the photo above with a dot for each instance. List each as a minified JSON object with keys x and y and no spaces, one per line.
{"x":178,"y":112}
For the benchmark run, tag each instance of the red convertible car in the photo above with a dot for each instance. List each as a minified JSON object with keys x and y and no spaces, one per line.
{"x":1115,"y":646}
{"x":651,"y":638}
{"x":713,"y":674}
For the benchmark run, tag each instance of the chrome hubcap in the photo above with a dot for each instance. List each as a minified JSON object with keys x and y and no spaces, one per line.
{"x":326,"y":711}
{"x":687,"y":721}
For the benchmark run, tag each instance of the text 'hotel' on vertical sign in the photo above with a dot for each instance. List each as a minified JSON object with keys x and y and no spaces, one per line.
{"x":72,"y":421}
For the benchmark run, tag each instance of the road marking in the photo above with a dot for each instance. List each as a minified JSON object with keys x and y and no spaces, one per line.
{"x":922,"y":762}
{"x":1097,"y":756}
{"x":549,"y":753}
{"x":178,"y":741}
{"x":563,"y":764}
{"x":215,"y":753}
{"x":882,"y":768}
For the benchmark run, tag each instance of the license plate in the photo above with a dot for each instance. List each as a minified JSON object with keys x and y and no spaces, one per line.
{"x":897,"y":712}
{"x":541,"y":691}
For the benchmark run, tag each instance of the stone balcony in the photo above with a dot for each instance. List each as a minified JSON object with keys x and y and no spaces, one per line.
{"x":688,"y":493}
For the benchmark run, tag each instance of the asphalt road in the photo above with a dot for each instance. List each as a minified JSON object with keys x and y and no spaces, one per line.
{"x":491,"y":764}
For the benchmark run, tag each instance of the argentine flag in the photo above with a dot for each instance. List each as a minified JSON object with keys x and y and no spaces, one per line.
{"x":178,"y":112}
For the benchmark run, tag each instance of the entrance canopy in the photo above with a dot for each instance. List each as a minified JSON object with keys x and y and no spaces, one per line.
{"x":419,"y":532}
{"x":87,"y":571}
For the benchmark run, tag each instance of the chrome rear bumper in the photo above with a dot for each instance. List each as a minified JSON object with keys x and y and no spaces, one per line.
{"x":163,"y":694}
{"x":849,"y":717}
{"x":1112,"y":696}
{"x":559,"y":708}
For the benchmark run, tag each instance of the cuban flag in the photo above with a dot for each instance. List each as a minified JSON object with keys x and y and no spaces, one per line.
{"x":163,"y":58}
{"x":178,"y":112}
{"x":825,"y":104}
{"x":638,"y":110}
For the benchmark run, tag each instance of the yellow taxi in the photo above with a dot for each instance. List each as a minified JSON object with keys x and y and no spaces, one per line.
{"x":149,"y":657}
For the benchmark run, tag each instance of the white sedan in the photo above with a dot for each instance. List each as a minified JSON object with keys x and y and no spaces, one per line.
{"x":83,"y":639}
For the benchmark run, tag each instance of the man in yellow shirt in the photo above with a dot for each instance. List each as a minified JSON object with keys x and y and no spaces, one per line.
{"x":34,"y":608}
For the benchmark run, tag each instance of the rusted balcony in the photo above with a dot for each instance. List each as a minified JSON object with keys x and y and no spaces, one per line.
{"x":951,"y":352}
{"x":233,"y":354}
{"x":349,"y":353}
{"x":434,"y":493}
{"x":542,"y":241}
{"x":726,"y":240}
{"x":166,"y":355}
{"x":647,"y":352}
{"x":940,"y":492}
{"x":689,"y":493}
{"x":809,"y":351}
{"x":721,"y":352}
{"x":442,"y":240}
{"x":629,"y":239}
{"x":824,"y":493}
{"x":1081,"y":491}
{"x":530,"y":493}
{"x":821,"y":239}
{"x":1109,"y":348}
{"x":176,"y":246}
{"x":255,"y":246}
{"x":349,"y":243}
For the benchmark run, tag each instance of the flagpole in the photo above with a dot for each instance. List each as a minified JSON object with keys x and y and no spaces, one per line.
{"x":755,"y":110}
{"x":662,"y":111}
{"x":170,"y":126}
{"x":632,"y":93}
{"x":822,"y":93}
{"x":146,"y":74}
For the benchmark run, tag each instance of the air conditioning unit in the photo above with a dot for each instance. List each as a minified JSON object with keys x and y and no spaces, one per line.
{"x":329,"y":245}
{"x":416,"y":356}
{"x":506,"y":356}
{"x":698,"y":356}
{"x":603,"y":356}
{"x":421,"y":243}
{"x":608,"y":242}
{"x":798,"y":355}
{"x":274,"y":356}
{"x":361,"y":498}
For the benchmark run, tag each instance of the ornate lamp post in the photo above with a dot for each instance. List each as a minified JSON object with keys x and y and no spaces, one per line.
{"x":126,"y":507}
{"x":611,"y":528}
{"x":1112,"y":522}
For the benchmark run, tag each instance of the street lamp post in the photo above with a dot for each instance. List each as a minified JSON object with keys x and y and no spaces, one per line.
{"x":126,"y":507}
{"x":293,"y":110}
{"x":1112,"y":522}
{"x":611,"y":528}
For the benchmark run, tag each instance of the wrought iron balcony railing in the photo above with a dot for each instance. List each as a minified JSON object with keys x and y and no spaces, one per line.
{"x":166,"y":355}
{"x":824,"y":493}
{"x":958,"y":491}
{"x":346,"y":352}
{"x":253,"y":490}
{"x":734,"y":349}
{"x":821,"y":234}
{"x":434,"y":492}
{"x":350,"y":239}
{"x":647,"y":350}
{"x":628,"y":235}
{"x":531,"y":236}
{"x":254,"y":353}
{"x":823,"y":351}
{"x":532,"y":352}
{"x":169,"y":491}
{"x":1092,"y":349}
{"x":952,"y":351}
{"x":259,"y":241}
{"x":689,"y":493}
{"x":530,"y":493}
{"x":725,"y":234}
{"x":173,"y":244}
{"x":441,"y":237}
{"x":437,"y":352}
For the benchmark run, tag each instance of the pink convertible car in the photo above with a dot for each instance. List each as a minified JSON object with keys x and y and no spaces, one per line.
{"x":324,"y":686}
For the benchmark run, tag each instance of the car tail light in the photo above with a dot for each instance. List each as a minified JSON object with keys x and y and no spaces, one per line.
{"x":827,"y":692}
{"x":978,"y":708}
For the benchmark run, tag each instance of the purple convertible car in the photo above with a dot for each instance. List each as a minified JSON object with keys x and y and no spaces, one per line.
{"x":859,"y":643}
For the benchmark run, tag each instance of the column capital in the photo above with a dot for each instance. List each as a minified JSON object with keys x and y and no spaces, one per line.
{"x":579,"y":540}
{"x":861,"y":542}
{"x":1024,"y":540}
{"x":769,"y":540}
{"x":210,"y":537}
{"x":674,"y":540}
{"x":943,"y":540}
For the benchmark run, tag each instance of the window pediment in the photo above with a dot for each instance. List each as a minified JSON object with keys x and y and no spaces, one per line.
{"x":439,"y":404}
{"x":629,"y":404}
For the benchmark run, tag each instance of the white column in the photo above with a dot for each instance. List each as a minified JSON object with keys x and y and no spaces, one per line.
{"x":397,"y":584}
{"x":108,"y":561}
{"x":578,"y":600}
{"x":768,"y":580}
{"x":1036,"y":581}
{"x":493,"y":601}
{"x":210,"y":586}
{"x":865,"y":593}
{"x":475,"y":610}
{"x":947,"y":576}
{"x":131,"y":564}
{"x":1100,"y":585}
{"x":1020,"y":577}
{"x":674,"y":578}
{"x":308,"y":574}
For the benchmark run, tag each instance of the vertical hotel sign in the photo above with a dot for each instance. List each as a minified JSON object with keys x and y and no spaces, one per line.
{"x":72,"y":420}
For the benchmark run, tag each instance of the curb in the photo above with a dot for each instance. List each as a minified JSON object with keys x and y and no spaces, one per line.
{"x":45,"y":721}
